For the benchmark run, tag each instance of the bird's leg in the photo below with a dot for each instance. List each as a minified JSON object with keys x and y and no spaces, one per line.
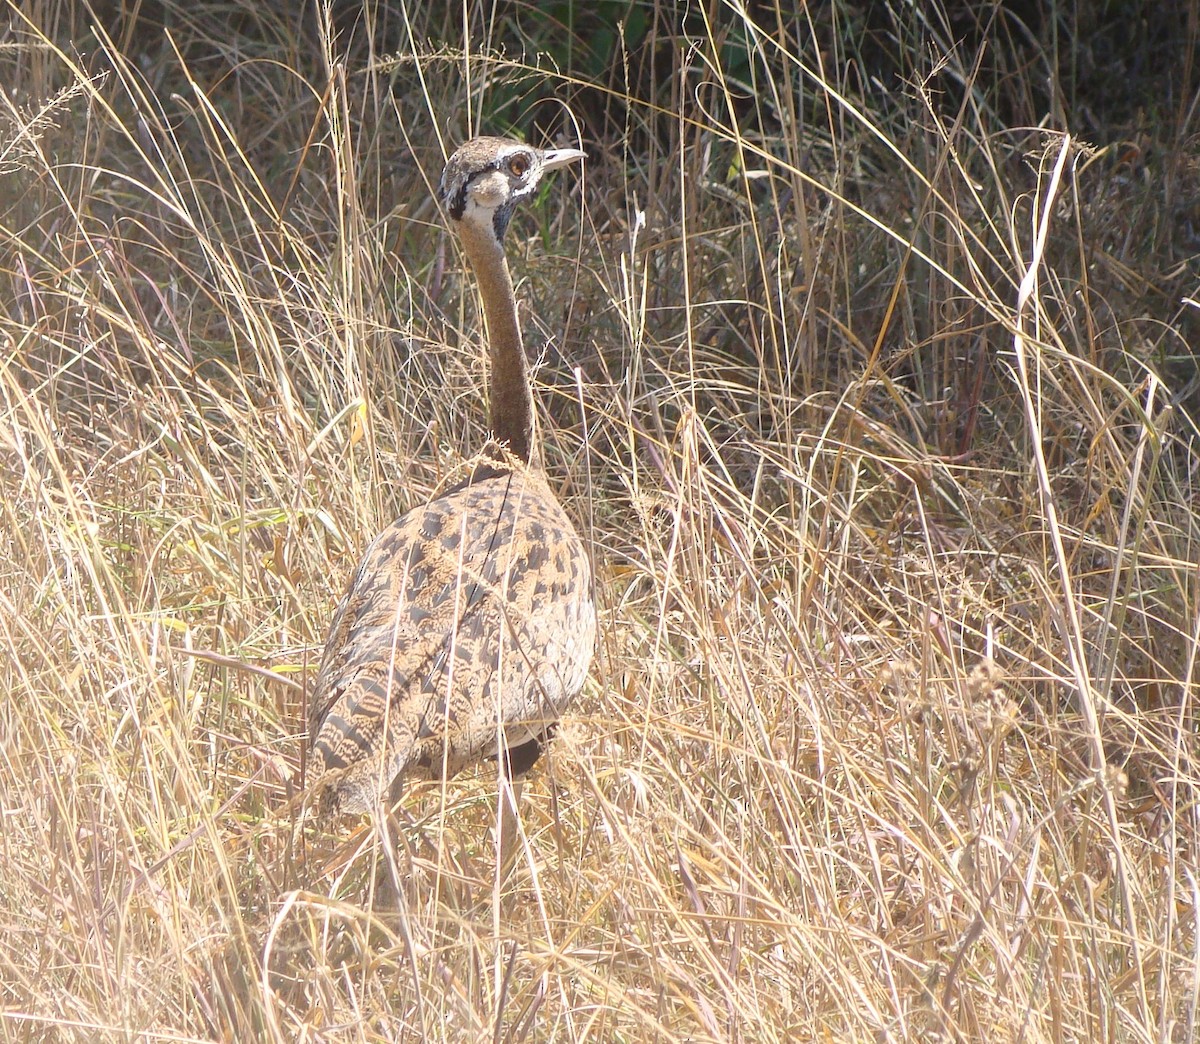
{"x":508,"y":827}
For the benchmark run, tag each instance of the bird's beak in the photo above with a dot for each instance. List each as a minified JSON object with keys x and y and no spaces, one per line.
{"x":554,"y":158}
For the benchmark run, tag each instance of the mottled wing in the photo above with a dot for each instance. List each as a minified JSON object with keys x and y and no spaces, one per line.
{"x":471,"y":611}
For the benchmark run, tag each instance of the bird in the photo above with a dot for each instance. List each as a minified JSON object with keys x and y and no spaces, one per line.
{"x":469,"y":625}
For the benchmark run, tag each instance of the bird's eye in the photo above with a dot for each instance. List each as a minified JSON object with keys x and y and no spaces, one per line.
{"x":518,"y":165}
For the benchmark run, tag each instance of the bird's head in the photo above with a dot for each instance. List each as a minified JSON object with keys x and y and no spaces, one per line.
{"x":487,"y":177}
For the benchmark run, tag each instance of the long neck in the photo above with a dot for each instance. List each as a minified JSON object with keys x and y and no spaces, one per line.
{"x":510,"y":395}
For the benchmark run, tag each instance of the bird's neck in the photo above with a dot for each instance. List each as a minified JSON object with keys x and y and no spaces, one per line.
{"x":511,"y":400}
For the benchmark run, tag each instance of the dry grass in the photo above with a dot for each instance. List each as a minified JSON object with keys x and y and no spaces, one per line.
{"x":877,"y":411}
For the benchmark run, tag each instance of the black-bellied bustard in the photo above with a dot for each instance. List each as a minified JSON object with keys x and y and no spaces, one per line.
{"x":469,"y":625}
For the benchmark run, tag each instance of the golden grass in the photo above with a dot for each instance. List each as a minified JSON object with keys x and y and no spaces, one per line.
{"x":878,"y":425}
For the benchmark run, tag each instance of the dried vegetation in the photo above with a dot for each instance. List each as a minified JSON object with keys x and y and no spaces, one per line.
{"x":867,"y":367}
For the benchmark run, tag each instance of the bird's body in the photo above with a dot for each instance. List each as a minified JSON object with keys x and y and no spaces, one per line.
{"x":469,"y":625}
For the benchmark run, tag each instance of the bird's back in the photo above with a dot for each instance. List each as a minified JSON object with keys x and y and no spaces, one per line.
{"x":467,"y":628}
